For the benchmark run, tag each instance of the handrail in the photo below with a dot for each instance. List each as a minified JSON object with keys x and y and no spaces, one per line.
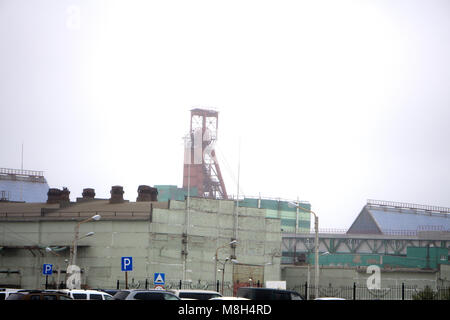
{"x":404,"y":205}
{"x":22,"y":172}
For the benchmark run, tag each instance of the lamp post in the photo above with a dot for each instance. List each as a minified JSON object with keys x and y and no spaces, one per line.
{"x":73,"y":251}
{"x":223,"y":271}
{"x":216,"y":257}
{"x":316,"y":245}
{"x":48,"y":249}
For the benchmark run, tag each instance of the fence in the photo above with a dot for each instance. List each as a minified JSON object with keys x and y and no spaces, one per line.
{"x":227,"y":290}
{"x":362,"y":292}
{"x":352,"y":292}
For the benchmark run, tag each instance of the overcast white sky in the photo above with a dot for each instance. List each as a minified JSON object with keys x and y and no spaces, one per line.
{"x":334,"y":102}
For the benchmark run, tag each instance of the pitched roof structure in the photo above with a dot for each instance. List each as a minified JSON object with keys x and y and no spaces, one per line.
{"x":382,"y":217}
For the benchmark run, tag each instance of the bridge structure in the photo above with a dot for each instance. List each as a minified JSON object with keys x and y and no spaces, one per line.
{"x":295,"y":246}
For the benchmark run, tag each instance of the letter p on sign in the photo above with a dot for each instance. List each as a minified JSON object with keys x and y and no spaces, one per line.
{"x":127,"y":263}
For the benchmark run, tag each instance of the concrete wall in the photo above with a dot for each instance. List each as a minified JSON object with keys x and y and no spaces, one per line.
{"x":156,"y":246}
{"x":296,"y":276}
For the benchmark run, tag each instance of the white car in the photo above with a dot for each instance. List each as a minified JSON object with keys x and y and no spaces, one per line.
{"x":5,"y":292}
{"x":77,"y":294}
{"x":229,"y":298}
{"x":193,"y":294}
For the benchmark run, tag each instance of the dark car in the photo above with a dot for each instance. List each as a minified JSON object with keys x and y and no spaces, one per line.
{"x":145,"y":295}
{"x":38,"y":295}
{"x":267,"y":294}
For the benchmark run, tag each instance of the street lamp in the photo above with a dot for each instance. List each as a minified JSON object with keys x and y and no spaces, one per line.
{"x":73,"y":251}
{"x":316,"y":244}
{"x":48,"y":249}
{"x":223,"y":271}
{"x":216,"y":258}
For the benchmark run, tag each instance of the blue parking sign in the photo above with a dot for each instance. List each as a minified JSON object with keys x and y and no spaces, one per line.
{"x":47,"y":269}
{"x":127,"y":263}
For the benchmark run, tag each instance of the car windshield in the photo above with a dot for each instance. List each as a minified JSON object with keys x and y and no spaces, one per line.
{"x":199,"y":295}
{"x":149,"y":296}
{"x":121,"y":295}
{"x":15,"y":296}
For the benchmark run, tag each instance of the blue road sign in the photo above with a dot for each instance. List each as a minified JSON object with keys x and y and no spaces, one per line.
{"x":127,"y":263}
{"x":47,"y":269}
{"x":159,"y":278}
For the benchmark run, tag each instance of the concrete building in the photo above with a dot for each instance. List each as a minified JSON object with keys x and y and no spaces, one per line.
{"x":178,"y":238}
{"x":22,"y":185}
{"x":409,"y":243}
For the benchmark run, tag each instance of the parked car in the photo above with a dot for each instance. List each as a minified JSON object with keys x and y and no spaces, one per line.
{"x":112,"y":292}
{"x":228,"y":298}
{"x":192,"y":294}
{"x":267,"y":294}
{"x":144,"y":295}
{"x":88,"y":294}
{"x":5,"y":292}
{"x":38,"y":295}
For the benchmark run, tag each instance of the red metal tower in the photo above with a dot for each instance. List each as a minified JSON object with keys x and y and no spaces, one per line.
{"x":201,"y":169}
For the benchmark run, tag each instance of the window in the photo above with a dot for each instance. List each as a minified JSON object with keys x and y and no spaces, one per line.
{"x":15,"y":296}
{"x":121,"y":295}
{"x":96,"y":297}
{"x":108,"y":297}
{"x":295,"y":296}
{"x":2,"y":296}
{"x":64,"y":298}
{"x":35,"y":297}
{"x":50,"y":297}
{"x":149,"y":296}
{"x":168,"y":296}
{"x":79,"y":296}
{"x":281,"y":295}
{"x":198,"y":295}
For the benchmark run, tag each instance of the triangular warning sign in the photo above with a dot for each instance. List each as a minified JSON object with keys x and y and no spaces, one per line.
{"x":159,"y":278}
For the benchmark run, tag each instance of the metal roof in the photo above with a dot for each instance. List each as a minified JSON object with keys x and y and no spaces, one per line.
{"x":395,"y":218}
{"x":388,"y":219}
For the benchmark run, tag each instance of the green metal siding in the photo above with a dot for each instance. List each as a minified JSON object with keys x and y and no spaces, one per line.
{"x":172,"y":192}
{"x":415,"y":258}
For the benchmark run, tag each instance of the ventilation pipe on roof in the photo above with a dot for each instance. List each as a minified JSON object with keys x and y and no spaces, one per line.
{"x":88,"y":194}
{"x":55,"y":195}
{"x":146,"y":193}
{"x":116,"y":194}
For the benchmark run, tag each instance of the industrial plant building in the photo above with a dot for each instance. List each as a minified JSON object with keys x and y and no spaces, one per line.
{"x":23,"y":185}
{"x":200,"y":234}
{"x":178,"y":238}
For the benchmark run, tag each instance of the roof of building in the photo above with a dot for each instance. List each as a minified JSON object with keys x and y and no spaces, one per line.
{"x":23,"y":185}
{"x":393,"y":217}
{"x":79,"y":210}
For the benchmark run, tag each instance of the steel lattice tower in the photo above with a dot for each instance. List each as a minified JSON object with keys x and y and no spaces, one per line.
{"x":201,"y":168}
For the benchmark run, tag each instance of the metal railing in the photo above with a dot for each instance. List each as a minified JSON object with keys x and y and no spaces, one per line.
{"x":362,"y":292}
{"x":403,"y":205}
{"x":79,"y":214}
{"x":21,"y":172}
